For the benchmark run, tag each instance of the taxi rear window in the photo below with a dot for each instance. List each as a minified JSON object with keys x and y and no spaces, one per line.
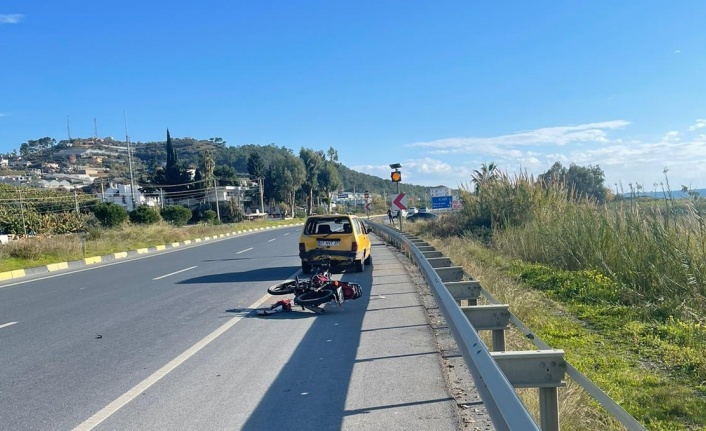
{"x":325,"y":226}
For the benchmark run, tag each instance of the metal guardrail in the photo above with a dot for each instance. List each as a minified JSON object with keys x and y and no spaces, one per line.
{"x":497,"y":373}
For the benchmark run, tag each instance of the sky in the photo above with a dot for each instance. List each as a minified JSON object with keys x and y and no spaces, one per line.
{"x":440,"y":87}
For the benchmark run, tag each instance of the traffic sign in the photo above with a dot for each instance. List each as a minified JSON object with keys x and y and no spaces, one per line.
{"x":441,"y":202}
{"x":399,"y":202}
{"x":396,"y":176}
{"x":367,"y":206}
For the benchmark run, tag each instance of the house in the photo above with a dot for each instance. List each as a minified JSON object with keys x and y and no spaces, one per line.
{"x":122,"y":195}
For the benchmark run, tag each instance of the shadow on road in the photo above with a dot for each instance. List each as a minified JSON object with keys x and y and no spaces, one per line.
{"x":310,"y":391}
{"x":260,"y":274}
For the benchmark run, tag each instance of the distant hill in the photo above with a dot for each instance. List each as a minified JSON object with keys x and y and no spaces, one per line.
{"x":148,"y":156}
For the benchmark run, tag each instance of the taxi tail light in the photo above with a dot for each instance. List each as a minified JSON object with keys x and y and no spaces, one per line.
{"x":354,"y":246}
{"x":302,"y":247}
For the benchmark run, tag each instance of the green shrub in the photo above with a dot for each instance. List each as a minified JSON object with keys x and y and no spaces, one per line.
{"x":145,"y":215}
{"x":110,"y":214}
{"x":210,"y":217}
{"x":176,"y":214}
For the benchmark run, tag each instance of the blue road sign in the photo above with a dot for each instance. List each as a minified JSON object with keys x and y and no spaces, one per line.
{"x":441,"y":202}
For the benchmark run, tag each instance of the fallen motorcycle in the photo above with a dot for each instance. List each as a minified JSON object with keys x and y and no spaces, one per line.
{"x":320,"y":289}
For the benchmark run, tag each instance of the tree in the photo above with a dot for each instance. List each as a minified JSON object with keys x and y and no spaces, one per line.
{"x":329,"y":181}
{"x":256,"y":169}
{"x":172,"y":172}
{"x":176,"y":214}
{"x":285,"y":176}
{"x":581,"y":181}
{"x":332,"y":154}
{"x":313,"y":163}
{"x":487,"y":173}
{"x":218,"y":141}
{"x":206,"y":167}
{"x":110,"y":214}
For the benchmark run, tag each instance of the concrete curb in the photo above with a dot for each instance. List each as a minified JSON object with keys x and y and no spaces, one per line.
{"x":19,"y":273}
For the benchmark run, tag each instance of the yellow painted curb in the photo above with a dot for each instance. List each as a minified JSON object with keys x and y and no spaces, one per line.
{"x":57,"y":266}
{"x":90,"y":260}
{"x":188,"y":241}
{"x":120,"y":255}
{"x":142,"y":250}
{"x":161,"y":247}
{"x":175,"y":244}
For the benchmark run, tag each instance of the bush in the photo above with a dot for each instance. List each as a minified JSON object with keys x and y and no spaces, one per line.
{"x":176,"y":214}
{"x":110,"y":214}
{"x":145,"y":215}
{"x":210,"y":217}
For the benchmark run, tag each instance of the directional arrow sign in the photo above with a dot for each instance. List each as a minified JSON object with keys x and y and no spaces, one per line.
{"x":367,"y":206}
{"x":400,"y":201}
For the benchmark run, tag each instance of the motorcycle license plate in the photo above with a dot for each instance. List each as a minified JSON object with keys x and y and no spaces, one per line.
{"x":327,"y":243}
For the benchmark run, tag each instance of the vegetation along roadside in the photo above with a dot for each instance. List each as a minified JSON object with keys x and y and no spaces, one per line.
{"x":620,"y":287}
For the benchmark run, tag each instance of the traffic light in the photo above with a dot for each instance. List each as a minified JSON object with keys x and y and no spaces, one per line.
{"x":396,"y":176}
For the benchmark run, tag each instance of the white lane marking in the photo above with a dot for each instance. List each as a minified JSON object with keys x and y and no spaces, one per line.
{"x":141,"y":387}
{"x":272,"y":239}
{"x":175,"y":272}
{"x":5,"y":325}
{"x":130,"y":259}
{"x":243,"y":251}
{"x":287,"y":233}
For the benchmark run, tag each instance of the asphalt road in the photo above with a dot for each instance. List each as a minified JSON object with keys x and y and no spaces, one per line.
{"x":168,"y":341}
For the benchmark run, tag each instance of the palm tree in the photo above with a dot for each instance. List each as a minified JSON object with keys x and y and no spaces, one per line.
{"x":488,"y":172}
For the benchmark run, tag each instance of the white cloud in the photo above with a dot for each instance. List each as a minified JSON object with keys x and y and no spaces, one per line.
{"x":698,"y":125}
{"x":11,"y":19}
{"x":672,"y":136}
{"x":452,"y":161}
{"x":591,"y":132}
{"x":677,"y":51}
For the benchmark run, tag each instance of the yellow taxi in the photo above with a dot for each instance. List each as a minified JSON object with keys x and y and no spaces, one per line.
{"x":341,"y":239}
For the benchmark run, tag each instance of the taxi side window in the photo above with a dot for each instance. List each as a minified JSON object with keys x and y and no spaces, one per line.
{"x":362,"y":228}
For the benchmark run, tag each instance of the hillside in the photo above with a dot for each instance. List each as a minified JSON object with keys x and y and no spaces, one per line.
{"x":110,"y":157}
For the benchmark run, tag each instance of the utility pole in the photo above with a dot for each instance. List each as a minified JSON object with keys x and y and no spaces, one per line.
{"x":262,"y":192}
{"x":215,"y":190}
{"x":78,"y":213}
{"x":22,"y":210}
{"x":129,"y":161}
{"x":68,"y":128}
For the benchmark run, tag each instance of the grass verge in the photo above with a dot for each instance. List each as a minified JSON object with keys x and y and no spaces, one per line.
{"x":654,"y":370}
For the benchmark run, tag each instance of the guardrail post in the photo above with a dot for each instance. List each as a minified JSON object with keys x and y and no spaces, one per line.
{"x":432,"y":253}
{"x":543,"y":369}
{"x":439,"y":262}
{"x":498,"y":340}
{"x":494,"y":317}
{"x":464,"y":291}
{"x":549,"y":409}
{"x":451,"y":273}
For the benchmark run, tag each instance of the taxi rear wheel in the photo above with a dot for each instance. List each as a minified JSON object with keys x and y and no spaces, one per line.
{"x":306,"y":268}
{"x":359,"y":265}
